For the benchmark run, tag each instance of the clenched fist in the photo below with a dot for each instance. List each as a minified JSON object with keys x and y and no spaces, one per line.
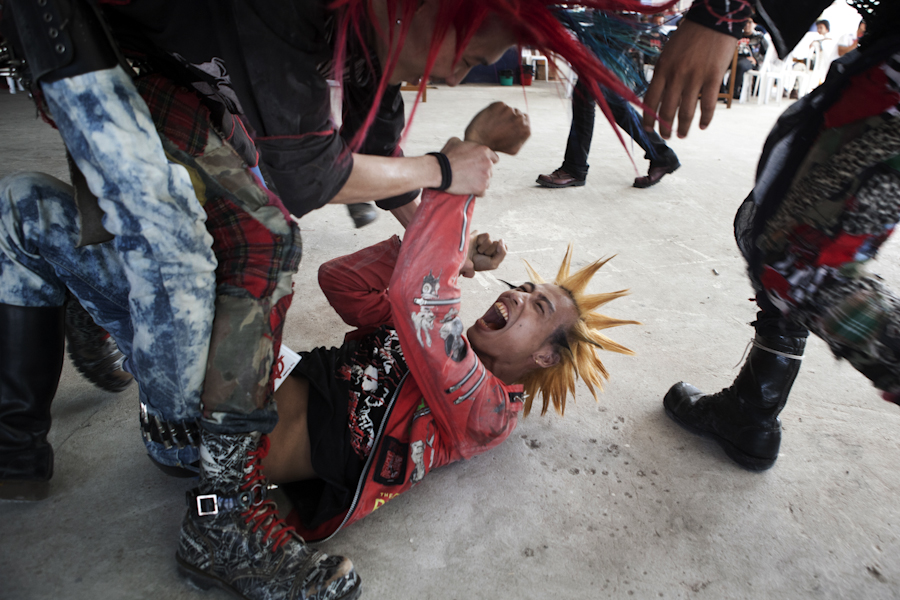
{"x":499,"y":127}
{"x":472,"y":166}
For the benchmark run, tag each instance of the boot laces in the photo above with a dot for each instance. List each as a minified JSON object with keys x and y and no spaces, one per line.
{"x":263,"y":513}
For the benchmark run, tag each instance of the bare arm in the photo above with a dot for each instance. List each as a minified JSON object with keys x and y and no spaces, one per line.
{"x":405,"y":213}
{"x":842,"y":50}
{"x":376,"y":177}
{"x":692,"y":64}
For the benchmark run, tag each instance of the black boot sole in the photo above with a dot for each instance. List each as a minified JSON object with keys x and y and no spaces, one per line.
{"x":747,"y":461}
{"x":556,"y":186}
{"x":651,"y":182}
{"x":205,"y":582}
{"x":24,"y":491}
{"x":102,"y":371}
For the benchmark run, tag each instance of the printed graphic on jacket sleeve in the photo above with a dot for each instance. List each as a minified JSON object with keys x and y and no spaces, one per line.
{"x":424,"y":319}
{"x":422,"y":450}
{"x":451,"y":332}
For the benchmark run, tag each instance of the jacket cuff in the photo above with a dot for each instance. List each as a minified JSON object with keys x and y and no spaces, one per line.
{"x":397,"y":201}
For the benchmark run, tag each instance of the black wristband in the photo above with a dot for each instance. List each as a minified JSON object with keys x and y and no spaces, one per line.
{"x":446,"y":173}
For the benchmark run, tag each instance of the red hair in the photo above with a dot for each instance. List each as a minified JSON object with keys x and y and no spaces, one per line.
{"x":532,"y":21}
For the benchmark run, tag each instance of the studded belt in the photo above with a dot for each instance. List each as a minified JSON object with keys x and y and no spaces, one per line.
{"x":171,"y":435}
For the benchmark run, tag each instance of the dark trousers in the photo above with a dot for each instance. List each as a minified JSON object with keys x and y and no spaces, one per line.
{"x":582,"y":130}
{"x":744,"y":64}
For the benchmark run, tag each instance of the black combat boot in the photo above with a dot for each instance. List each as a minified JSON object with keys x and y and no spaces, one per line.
{"x":232,"y":536}
{"x":743,"y":418}
{"x":31,"y":347}
{"x":93,"y":351}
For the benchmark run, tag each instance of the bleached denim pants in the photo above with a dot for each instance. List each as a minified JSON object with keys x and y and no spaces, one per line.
{"x":153,"y":286}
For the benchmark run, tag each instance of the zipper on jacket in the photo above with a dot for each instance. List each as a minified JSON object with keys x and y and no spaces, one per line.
{"x":462,"y":237}
{"x":438,"y":302}
{"x":464,"y":379}
{"x":474,"y":387}
{"x":365,"y":473}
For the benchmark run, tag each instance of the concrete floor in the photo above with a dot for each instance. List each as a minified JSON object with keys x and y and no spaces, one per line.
{"x":611,"y":501}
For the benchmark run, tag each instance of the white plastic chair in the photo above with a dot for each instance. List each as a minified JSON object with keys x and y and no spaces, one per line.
{"x":774,"y":81}
{"x":753,"y":78}
{"x":530,"y":57}
{"x":823,"y":55}
{"x":796,"y":74}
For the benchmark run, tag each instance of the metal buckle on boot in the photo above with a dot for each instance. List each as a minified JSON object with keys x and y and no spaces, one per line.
{"x":208,"y":498}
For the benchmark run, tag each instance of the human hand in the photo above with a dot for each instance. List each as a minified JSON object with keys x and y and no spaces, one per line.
{"x":471,"y":165}
{"x":499,"y":127}
{"x":484,"y":254}
{"x":692,"y":64}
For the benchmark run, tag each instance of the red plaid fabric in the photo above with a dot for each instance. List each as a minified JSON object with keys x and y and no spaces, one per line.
{"x":179,"y":114}
{"x":252,"y":260}
{"x":250,"y":256}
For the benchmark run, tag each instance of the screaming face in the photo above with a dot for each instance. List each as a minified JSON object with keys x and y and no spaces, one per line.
{"x":518,"y":327}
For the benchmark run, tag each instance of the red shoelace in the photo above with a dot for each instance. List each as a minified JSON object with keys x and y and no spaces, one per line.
{"x":263,"y":513}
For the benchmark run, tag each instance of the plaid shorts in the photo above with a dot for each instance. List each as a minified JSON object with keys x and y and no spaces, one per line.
{"x":255,"y":241}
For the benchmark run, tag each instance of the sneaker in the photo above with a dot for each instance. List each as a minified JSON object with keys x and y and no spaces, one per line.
{"x":233,"y":538}
{"x":559,"y":179}
{"x":93,"y":351}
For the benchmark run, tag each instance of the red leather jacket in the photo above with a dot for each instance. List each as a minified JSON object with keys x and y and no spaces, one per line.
{"x":448,"y":406}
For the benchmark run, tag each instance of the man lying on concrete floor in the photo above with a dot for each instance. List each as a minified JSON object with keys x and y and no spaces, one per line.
{"x":256,"y":248}
{"x":408,"y":392}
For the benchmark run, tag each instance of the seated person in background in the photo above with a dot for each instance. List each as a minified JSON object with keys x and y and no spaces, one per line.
{"x":752,"y":50}
{"x":408,"y":391}
{"x":850,"y":42}
{"x":656,"y":37}
{"x":823,"y":46}
{"x":823,"y":28}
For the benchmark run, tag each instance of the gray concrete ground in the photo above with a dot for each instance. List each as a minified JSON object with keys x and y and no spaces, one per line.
{"x":611,"y":501}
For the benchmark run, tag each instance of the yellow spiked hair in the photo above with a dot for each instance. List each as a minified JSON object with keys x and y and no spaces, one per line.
{"x":584,"y":339}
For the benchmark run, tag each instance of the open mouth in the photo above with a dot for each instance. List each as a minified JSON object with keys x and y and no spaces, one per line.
{"x":496,"y":317}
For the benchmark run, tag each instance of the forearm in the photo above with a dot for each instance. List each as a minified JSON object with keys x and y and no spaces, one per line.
{"x":377,"y":177}
{"x":842,"y":50}
{"x":405,"y":213}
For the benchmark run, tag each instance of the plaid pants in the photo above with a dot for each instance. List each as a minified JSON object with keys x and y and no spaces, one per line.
{"x":808,"y":257}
